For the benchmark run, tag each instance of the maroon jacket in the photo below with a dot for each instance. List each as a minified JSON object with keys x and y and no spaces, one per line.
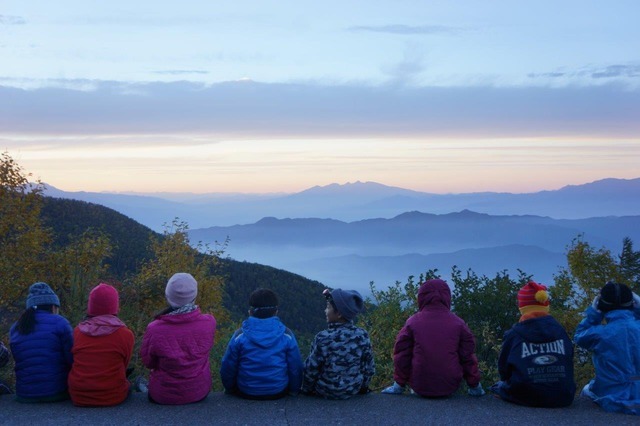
{"x":435,"y":349}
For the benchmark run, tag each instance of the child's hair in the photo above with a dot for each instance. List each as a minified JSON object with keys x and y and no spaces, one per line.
{"x":27,"y":321}
{"x":263,"y":303}
{"x":164,"y":311}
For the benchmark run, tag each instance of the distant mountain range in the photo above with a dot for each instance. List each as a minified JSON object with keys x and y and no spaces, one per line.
{"x":347,"y":235}
{"x":388,"y":250}
{"x":358,"y":201}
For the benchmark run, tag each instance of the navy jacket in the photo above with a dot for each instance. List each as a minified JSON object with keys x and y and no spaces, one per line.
{"x":262,"y":359}
{"x":536,"y":364}
{"x":43,"y":357}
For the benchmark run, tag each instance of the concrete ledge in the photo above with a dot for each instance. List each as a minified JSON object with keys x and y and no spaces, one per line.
{"x":372,"y":409}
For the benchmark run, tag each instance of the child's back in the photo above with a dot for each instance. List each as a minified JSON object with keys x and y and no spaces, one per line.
{"x":536,"y":359}
{"x":41,"y":344}
{"x":340,"y":363}
{"x":262,"y":360}
{"x":615,"y":347}
{"x":176,"y":346}
{"x":102,"y":349}
{"x":435,"y":350}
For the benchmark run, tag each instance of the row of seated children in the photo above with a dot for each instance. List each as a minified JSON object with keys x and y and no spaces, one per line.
{"x":536,"y":359}
{"x":434,"y":351}
{"x":89,"y":364}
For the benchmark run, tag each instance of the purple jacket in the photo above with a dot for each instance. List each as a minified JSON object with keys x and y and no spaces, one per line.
{"x":176,"y":350}
{"x":435,"y":349}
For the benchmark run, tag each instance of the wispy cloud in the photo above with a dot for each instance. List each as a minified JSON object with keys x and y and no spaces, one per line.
{"x":407,"y":29}
{"x":246,"y":109}
{"x":612,"y":71}
{"x":12,"y":20}
{"x":180,"y":72}
{"x":555,"y":74}
{"x":607,"y":72}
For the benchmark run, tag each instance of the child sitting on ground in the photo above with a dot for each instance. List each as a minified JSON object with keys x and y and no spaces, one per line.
{"x":41,"y":344}
{"x":262,"y":360}
{"x":616,"y":348}
{"x":177,"y":344}
{"x":340,"y":363}
{"x":536,"y":360}
{"x":435,"y":349}
{"x":102,"y":349}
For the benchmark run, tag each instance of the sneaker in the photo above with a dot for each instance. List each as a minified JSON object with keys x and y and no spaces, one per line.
{"x":141,"y":384}
{"x":394,"y":389}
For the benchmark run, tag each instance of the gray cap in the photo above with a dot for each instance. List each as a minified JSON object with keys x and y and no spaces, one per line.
{"x":348,"y":302}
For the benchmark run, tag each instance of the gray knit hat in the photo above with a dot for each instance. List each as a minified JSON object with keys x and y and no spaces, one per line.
{"x":181,"y":289}
{"x":348,"y":303}
{"x":41,"y":294}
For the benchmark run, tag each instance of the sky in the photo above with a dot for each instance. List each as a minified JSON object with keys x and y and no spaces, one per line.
{"x":279,"y":96}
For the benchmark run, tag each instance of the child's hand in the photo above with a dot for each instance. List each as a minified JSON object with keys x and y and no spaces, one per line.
{"x":594,"y":305}
{"x":636,"y":301}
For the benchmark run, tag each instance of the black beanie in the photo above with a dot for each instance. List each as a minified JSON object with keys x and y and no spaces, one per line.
{"x":263,"y":303}
{"x":615,"y":296}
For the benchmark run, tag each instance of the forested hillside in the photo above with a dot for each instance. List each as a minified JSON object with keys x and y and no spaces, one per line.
{"x":301,"y":306}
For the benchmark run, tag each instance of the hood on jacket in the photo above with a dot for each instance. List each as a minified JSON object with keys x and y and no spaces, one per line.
{"x":618,"y":314}
{"x":434,"y":294}
{"x":537,"y":330}
{"x":102,"y":325}
{"x":263,"y":332}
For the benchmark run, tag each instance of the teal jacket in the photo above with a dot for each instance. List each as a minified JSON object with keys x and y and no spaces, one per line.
{"x":616,"y":357}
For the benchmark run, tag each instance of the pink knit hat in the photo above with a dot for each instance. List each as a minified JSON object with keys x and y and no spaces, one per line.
{"x":103,"y":300}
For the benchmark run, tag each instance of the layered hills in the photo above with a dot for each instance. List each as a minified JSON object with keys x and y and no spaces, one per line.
{"x":301,"y":301}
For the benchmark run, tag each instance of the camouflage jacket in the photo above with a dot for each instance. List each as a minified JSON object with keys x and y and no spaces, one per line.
{"x":340,"y":363}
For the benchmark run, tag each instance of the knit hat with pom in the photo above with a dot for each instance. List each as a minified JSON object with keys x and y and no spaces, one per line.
{"x":41,"y":294}
{"x":533,"y":297}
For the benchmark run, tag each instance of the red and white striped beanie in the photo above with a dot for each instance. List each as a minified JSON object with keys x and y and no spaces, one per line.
{"x":533,"y":297}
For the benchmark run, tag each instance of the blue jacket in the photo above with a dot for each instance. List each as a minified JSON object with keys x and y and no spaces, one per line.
{"x":43,"y":357}
{"x":616,"y":357}
{"x":536,"y":364}
{"x":262,"y":359}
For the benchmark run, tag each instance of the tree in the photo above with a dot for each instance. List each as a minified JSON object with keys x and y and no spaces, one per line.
{"x":489,"y":307}
{"x":575,"y":288}
{"x":143,"y":295}
{"x":629,"y":262}
{"x":23,"y":239}
{"x":77,"y":268}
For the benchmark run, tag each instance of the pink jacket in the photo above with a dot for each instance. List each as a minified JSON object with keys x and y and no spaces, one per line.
{"x":176,"y":349}
{"x":435,"y":349}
